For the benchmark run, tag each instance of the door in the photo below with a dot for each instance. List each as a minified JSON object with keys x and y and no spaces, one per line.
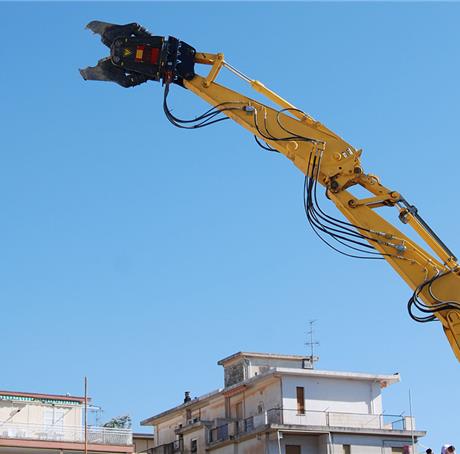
{"x":293,"y":449}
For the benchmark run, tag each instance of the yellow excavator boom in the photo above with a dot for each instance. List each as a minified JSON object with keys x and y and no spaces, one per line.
{"x":326,"y":158}
{"x":321,"y":155}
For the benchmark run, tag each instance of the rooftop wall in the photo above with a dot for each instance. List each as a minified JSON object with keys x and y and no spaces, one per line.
{"x":339,"y":395}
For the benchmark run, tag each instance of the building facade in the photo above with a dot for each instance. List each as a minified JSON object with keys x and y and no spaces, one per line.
{"x":32,"y":423}
{"x":279,"y":404}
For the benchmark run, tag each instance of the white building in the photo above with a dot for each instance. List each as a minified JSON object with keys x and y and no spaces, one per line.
{"x":278,"y":404}
{"x":32,"y":423}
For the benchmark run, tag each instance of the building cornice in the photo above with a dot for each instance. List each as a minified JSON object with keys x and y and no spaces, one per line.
{"x":17,"y":395}
{"x":383,"y":379}
{"x":238,"y":355}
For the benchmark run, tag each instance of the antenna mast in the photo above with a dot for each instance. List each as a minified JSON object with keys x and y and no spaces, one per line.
{"x":312,"y":343}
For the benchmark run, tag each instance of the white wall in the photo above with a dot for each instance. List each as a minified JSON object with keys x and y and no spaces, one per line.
{"x":34,"y":413}
{"x":333,"y":395}
{"x":309,"y":444}
{"x":258,"y":366}
{"x":267,"y":395}
{"x":362,"y":444}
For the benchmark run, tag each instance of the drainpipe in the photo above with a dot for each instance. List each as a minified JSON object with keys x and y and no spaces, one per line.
{"x":279,"y":441}
{"x":330,"y":447}
{"x":281,"y":411}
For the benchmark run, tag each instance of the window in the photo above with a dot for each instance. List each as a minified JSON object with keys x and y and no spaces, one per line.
{"x":293,"y":449}
{"x":179,"y":443}
{"x":300,"y":391}
{"x":194,"y":445}
{"x":346,"y":449}
{"x":260,"y":408}
{"x":239,"y":410}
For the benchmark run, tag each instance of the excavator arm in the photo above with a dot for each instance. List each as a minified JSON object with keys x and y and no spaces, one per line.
{"x":326,"y":160}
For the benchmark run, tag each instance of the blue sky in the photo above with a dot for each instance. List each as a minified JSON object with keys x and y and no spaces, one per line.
{"x":140,"y":254}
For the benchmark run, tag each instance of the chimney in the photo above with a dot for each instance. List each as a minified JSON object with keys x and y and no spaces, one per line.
{"x":187,"y":397}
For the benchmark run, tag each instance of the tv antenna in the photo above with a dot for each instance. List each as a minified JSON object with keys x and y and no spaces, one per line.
{"x":312,"y":344}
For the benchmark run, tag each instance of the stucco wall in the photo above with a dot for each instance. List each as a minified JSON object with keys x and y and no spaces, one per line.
{"x":334,"y":395}
{"x":164,"y":432}
{"x":199,"y":435}
{"x":309,"y":444}
{"x":34,"y":413}
{"x":213,"y":410}
{"x":209,"y":411}
{"x":265,"y":396}
{"x":142,"y":444}
{"x":227,"y":449}
{"x":362,"y":444}
{"x":258,"y":366}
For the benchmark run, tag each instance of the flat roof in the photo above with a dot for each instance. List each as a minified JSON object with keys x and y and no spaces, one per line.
{"x":382,"y":378}
{"x":261,"y":355}
{"x":16,"y":395}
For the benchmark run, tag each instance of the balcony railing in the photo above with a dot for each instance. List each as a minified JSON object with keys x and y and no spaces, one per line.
{"x":219,"y":433}
{"x":73,"y":434}
{"x":339,"y":419}
{"x":321,"y":419}
{"x":168,"y":448}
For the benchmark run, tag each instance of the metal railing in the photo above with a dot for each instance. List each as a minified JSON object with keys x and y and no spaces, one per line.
{"x":75,"y":434}
{"x":326,"y":419}
{"x":219,"y":433}
{"x":339,"y":419}
{"x":176,"y":446}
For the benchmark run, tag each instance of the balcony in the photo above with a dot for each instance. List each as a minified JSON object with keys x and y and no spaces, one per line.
{"x":338,"y":419}
{"x":319,"y":419}
{"x":219,"y":433}
{"x":168,"y":448}
{"x":96,"y":435}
